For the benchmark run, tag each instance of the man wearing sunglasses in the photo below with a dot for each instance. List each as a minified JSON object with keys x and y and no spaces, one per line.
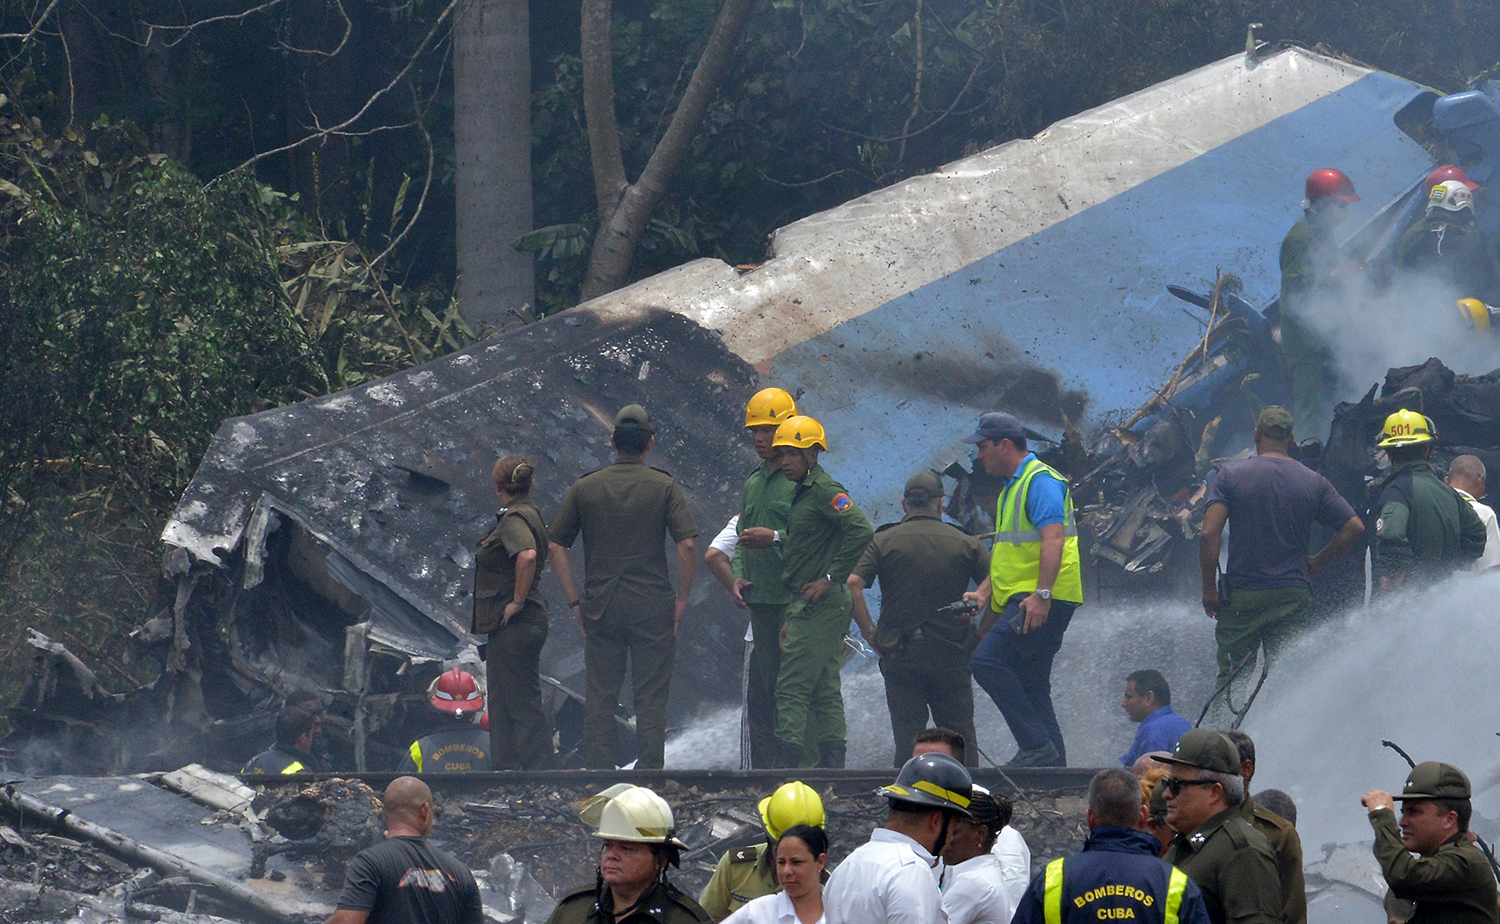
{"x":1231,"y":862}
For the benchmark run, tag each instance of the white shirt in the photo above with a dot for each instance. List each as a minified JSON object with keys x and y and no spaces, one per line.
{"x":974,"y":892}
{"x":1015,"y":864}
{"x":728,"y":538}
{"x":1491,"y":556}
{"x":775,"y":908}
{"x":885,"y":881}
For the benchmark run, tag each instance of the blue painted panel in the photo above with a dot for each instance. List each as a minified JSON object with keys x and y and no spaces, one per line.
{"x":1085,"y":298}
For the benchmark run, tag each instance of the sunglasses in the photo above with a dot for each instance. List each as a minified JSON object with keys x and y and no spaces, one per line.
{"x":1174,"y":784}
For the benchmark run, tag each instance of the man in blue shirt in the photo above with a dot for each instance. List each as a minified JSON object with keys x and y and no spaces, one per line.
{"x":1148,"y":702}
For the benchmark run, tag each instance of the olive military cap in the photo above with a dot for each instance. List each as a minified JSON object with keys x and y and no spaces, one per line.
{"x":926,"y":484}
{"x":633,"y":417}
{"x":1433,"y":780}
{"x":1275,"y":422}
{"x":1206,"y":750}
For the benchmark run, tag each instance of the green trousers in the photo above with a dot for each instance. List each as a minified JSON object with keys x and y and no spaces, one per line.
{"x":646,"y":639}
{"x":1249,"y":620}
{"x":809,"y":699}
{"x":765,"y":664}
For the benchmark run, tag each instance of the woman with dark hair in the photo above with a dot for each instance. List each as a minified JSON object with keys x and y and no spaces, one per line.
{"x":801,"y":859}
{"x":640,"y":843}
{"x":508,"y":605}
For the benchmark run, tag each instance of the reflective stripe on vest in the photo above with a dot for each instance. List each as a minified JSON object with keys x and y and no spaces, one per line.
{"x":1017,"y":553}
{"x":294,"y":767}
{"x":1052,"y":893}
{"x":1175,"y":887}
{"x":1053,"y":888}
{"x":416,"y":753}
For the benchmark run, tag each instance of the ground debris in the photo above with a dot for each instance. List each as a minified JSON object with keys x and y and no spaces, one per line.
{"x":326,"y":823}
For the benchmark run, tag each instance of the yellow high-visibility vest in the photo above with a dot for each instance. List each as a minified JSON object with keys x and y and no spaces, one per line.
{"x":1017,"y":553}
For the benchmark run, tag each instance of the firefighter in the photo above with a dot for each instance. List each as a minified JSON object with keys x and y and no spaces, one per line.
{"x":1310,"y":265}
{"x":639,"y":843}
{"x":750,"y":872}
{"x":1446,"y":249}
{"x":296,"y":729}
{"x":826,"y":534}
{"x":752,"y":573}
{"x":1424,"y":529}
{"x":459,"y":745}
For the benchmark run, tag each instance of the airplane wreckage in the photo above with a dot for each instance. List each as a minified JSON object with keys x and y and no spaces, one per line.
{"x":326,"y":547}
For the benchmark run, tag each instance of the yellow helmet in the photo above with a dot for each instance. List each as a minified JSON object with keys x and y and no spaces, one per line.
{"x":794,"y":803}
{"x":801,"y":433}
{"x":769,"y":406}
{"x":1475,"y":313}
{"x":1407,"y":428}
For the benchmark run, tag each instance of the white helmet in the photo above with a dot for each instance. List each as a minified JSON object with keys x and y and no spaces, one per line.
{"x":1451,"y":196}
{"x":624,"y":812}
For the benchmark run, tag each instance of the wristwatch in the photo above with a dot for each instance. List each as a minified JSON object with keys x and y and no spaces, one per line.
{"x":1044,"y":594}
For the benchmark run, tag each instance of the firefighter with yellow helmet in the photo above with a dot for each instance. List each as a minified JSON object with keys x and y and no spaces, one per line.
{"x":639,"y":844}
{"x":1424,"y":530}
{"x":750,"y":567}
{"x":750,"y":872}
{"x":826,"y":533}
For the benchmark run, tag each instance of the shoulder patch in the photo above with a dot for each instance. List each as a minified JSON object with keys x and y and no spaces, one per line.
{"x":841,"y":502}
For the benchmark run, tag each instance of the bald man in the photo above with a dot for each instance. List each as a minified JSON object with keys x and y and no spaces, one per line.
{"x":404,"y":878}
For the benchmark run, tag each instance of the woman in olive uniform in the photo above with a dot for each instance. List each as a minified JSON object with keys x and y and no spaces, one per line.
{"x":508,"y":605}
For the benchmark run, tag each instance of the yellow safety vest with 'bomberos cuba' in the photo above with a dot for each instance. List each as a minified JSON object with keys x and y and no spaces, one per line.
{"x":1017,"y":553}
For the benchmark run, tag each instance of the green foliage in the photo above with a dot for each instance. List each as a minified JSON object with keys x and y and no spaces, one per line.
{"x":143,"y":308}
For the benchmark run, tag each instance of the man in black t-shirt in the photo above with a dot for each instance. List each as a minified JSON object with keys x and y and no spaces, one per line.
{"x":405,"y":879}
{"x":1270,"y":502}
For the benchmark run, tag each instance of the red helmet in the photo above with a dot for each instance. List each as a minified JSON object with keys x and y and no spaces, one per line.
{"x":1330,"y":184}
{"x":457,"y":691}
{"x":1445,"y":173}
{"x":484,"y":721}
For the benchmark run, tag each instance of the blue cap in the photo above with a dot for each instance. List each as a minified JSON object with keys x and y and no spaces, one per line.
{"x":997,"y":426}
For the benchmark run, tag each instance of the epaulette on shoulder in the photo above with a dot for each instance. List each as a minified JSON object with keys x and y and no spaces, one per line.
{"x":1264,"y":813}
{"x":1238,"y":830}
{"x":886,"y":526}
{"x":664,"y":472}
{"x":745,"y":854}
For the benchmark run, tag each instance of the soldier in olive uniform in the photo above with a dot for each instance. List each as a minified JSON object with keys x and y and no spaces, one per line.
{"x":627,"y":609}
{"x":509,"y":606}
{"x":749,"y":872}
{"x":923,"y":565}
{"x":1427,"y":858}
{"x":825,"y":535}
{"x":753,"y":573}
{"x":1231,"y":862}
{"x":1282,"y":835}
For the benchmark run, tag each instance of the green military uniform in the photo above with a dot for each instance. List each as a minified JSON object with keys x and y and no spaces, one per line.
{"x":826,"y":534}
{"x":924,"y":564}
{"x":768,"y":500}
{"x":742,"y":875}
{"x":624,"y":513}
{"x":1424,"y":527}
{"x":1287,"y":846}
{"x":663,"y":904}
{"x":520,"y":731}
{"x":1308,"y":360}
{"x":1235,"y":868}
{"x":1453,"y":886}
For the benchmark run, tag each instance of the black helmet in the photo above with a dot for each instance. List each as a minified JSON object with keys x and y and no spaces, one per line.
{"x":934,"y":781}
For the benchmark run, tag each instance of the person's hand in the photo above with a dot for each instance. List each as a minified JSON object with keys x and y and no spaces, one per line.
{"x":813,"y":591}
{"x":1211,"y":603}
{"x":1377,"y":799}
{"x":781,"y":638}
{"x":512,"y":609}
{"x":578,"y":615}
{"x":758,"y":537}
{"x":1036,"y":611}
{"x":678,"y":609}
{"x":870,"y":638}
{"x":1314,"y":567}
{"x":975,"y":603}
{"x":738,"y":590}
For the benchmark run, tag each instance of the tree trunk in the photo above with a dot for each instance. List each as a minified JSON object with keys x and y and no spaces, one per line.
{"x":626,"y":210}
{"x":492,"y":146}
